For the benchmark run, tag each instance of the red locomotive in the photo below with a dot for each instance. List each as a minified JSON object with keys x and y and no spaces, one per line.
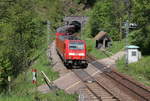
{"x":71,"y":49}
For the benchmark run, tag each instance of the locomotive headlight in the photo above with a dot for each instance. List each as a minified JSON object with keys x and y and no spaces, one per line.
{"x":71,"y":53}
{"x":81,"y":54}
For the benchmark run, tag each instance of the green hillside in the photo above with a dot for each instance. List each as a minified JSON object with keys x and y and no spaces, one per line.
{"x":23,"y":46}
{"x":24,"y":39}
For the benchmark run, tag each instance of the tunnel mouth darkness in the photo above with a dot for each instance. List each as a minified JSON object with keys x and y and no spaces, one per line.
{"x":73,"y":27}
{"x":77,"y":25}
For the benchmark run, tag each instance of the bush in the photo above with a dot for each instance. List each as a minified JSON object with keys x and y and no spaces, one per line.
{"x":72,"y":10}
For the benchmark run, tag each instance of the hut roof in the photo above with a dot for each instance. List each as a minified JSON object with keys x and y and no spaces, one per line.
{"x":100,"y":35}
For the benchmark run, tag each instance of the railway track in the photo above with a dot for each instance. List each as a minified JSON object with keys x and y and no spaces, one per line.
{"x":94,"y":88}
{"x":136,"y":90}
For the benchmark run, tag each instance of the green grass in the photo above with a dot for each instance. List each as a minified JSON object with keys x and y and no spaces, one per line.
{"x":116,"y":47}
{"x":53,"y":96}
{"x":15,"y":98}
{"x":43,"y":64}
{"x":24,"y":90}
{"x":139,"y":70}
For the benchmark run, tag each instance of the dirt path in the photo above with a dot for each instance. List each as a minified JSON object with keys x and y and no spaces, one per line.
{"x":111,"y":61}
{"x":57,"y":66}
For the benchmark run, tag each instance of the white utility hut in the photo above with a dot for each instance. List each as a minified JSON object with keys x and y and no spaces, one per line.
{"x":133,"y":54}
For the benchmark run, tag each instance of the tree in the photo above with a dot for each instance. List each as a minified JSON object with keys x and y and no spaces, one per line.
{"x":106,"y":16}
{"x":140,"y":15}
{"x":22,"y":34}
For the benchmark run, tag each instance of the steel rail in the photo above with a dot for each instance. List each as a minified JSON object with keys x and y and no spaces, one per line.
{"x":138,"y":89}
{"x":87,"y":78}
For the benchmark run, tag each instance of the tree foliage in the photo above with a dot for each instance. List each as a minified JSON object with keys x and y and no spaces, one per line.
{"x":51,"y":10}
{"x":141,"y":16}
{"x":21,"y":34}
{"x":109,"y":15}
{"x":106,"y":16}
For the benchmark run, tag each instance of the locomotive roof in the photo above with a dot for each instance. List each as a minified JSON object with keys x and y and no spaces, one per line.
{"x":68,"y":37}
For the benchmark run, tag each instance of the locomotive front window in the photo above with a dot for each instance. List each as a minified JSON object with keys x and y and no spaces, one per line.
{"x":77,"y":46}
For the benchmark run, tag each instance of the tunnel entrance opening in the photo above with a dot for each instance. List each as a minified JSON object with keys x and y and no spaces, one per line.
{"x":77,"y":26}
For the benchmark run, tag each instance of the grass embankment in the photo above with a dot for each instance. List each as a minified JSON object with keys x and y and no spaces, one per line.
{"x":24,"y":90}
{"x":116,"y":47}
{"x":139,"y":70}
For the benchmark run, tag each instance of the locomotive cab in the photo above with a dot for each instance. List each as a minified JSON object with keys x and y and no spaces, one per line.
{"x":75,"y":53}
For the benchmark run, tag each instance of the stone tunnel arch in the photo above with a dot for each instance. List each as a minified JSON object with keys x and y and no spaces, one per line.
{"x":75,"y":19}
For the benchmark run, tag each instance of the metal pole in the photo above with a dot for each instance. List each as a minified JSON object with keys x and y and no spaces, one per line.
{"x":81,"y":31}
{"x":48,"y":31}
{"x":9,"y":84}
{"x":120,"y":29}
{"x":127,"y":31}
